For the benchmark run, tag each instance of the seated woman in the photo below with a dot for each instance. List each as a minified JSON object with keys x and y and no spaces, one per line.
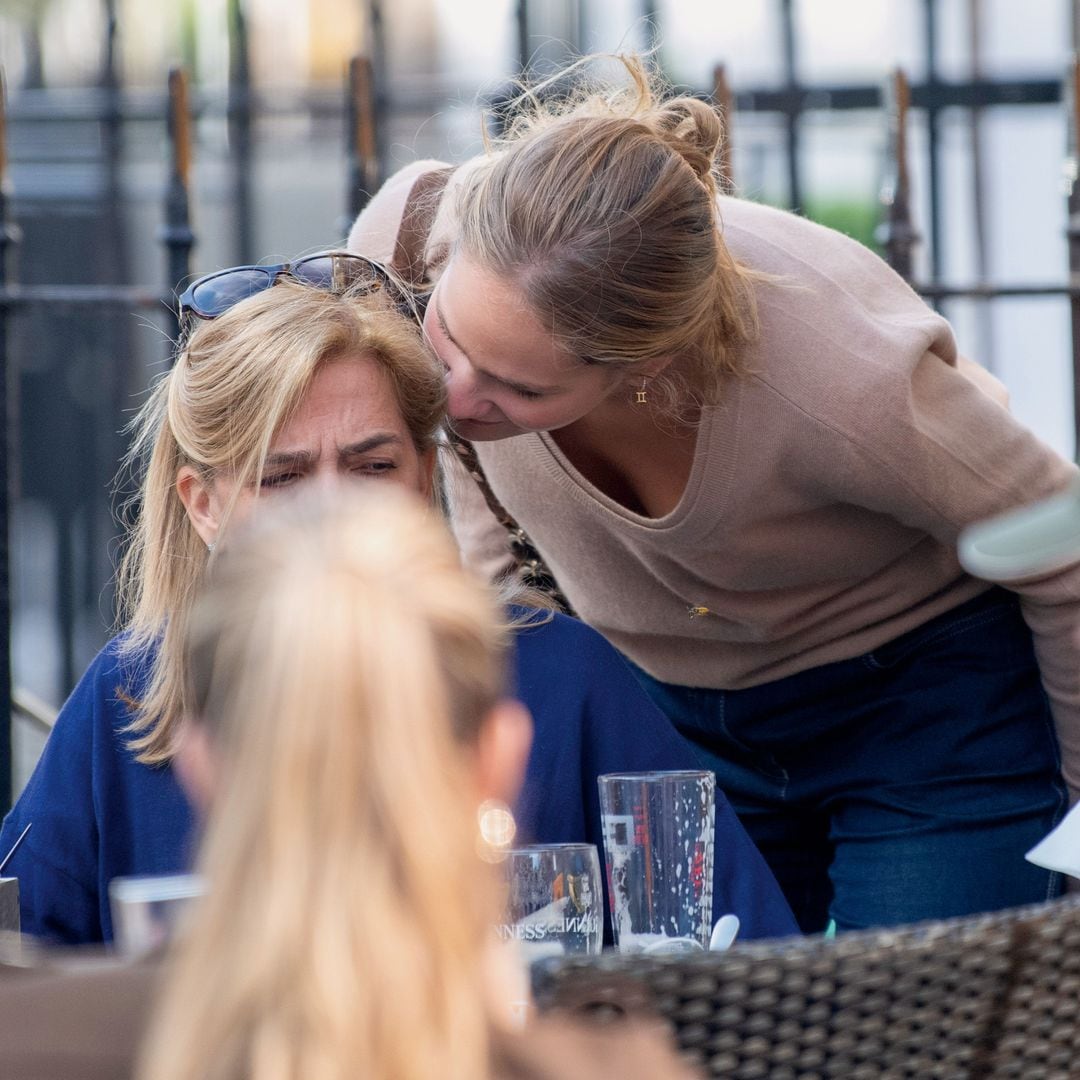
{"x":297,"y":377}
{"x":347,"y":679}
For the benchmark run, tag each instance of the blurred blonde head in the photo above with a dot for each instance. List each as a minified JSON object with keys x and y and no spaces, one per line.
{"x":235,"y":383}
{"x":602,"y":209}
{"x":345,"y":665}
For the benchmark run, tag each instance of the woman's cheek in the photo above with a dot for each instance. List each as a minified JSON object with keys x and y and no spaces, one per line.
{"x":531,"y":419}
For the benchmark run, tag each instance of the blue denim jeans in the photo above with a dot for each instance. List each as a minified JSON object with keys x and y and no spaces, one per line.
{"x":900,"y":785}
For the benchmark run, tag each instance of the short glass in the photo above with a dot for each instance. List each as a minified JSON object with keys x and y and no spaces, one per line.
{"x":659,"y":830}
{"x":146,"y":910}
{"x":554,"y":899}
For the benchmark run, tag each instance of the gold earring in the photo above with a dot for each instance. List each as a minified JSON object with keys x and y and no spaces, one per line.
{"x":497,"y":829}
{"x":642,"y":396}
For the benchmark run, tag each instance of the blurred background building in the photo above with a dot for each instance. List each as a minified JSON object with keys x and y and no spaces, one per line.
{"x":88,"y":169}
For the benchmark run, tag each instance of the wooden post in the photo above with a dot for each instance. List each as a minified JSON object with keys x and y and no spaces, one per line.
{"x":239,"y":121}
{"x":725,"y":105}
{"x":896,"y":233}
{"x":362,"y":134}
{"x":176,"y":233}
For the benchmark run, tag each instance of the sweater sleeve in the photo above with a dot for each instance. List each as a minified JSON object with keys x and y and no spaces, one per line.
{"x":937,"y":452}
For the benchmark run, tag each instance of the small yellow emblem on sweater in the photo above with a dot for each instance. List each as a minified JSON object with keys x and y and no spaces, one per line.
{"x":696,"y":612}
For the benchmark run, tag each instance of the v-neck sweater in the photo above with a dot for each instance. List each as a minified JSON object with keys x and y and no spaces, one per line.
{"x":828,"y":486}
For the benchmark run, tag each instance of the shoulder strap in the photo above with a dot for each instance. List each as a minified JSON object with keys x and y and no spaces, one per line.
{"x":421,"y":207}
{"x":531,"y":568}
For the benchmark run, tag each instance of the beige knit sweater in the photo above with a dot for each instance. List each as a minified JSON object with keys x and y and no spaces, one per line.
{"x":827,"y":490}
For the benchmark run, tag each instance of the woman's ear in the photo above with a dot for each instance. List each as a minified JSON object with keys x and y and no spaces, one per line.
{"x":502,"y":751}
{"x":649,"y":369}
{"x":196,"y":494}
{"x":635,"y":377}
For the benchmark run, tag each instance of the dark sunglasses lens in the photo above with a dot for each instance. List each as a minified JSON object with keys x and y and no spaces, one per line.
{"x":342,"y":271}
{"x":317,"y":271}
{"x":216,"y":295}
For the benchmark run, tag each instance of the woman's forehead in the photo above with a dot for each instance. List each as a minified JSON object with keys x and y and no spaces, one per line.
{"x":489,"y":321}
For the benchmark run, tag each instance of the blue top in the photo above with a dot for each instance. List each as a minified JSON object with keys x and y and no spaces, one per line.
{"x":97,"y":813}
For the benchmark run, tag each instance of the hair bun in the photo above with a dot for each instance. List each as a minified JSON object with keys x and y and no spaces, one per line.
{"x":694,"y":131}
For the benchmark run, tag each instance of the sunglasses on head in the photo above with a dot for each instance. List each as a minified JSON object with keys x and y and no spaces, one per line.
{"x":336,"y":271}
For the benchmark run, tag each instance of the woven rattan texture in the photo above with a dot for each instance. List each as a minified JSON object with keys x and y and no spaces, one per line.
{"x":990,"y":997}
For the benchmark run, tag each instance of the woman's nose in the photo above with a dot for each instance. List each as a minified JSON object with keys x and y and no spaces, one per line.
{"x":462,"y":398}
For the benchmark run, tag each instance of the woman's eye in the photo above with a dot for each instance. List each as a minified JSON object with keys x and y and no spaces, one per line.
{"x":375,"y":468}
{"x":277,"y":480}
{"x":528,"y":395}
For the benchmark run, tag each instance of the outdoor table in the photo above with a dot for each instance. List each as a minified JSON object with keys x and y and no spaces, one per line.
{"x":991,"y":995}
{"x":9,"y":904}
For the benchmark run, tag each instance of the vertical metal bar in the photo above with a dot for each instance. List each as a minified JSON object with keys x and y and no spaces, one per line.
{"x":978,"y":180}
{"x":112,"y":137}
{"x":380,"y":78}
{"x":793,"y":115}
{"x":108,"y":440}
{"x":724,"y":100}
{"x":1072,"y":176}
{"x":361,"y":135}
{"x":112,"y":132}
{"x":896,"y":233}
{"x":239,"y":123}
{"x":176,"y":233}
{"x":378,"y":39}
{"x":33,"y":61}
{"x":65,"y":580}
{"x":983,"y":329}
{"x":521,"y":21}
{"x":933,"y":115}
{"x":8,"y":427}
{"x":650,"y":18}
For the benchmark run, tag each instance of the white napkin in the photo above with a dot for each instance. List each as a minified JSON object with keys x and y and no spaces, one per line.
{"x":1060,"y":849}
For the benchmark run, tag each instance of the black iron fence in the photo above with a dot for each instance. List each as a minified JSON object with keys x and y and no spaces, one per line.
{"x":363,"y":112}
{"x":72,"y":458}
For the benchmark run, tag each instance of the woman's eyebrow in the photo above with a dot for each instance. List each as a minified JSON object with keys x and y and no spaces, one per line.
{"x":293,"y":458}
{"x":302,"y":459}
{"x":372,"y":442}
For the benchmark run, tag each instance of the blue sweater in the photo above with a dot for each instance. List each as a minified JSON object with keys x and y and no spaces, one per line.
{"x":97,"y":813}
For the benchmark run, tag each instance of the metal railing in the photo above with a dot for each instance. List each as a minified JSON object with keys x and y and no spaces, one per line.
{"x":177,"y":239}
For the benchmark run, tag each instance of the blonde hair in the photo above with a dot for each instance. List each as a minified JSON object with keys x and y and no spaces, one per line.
{"x":345,"y":663}
{"x":603,"y":210}
{"x":234,"y":384}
